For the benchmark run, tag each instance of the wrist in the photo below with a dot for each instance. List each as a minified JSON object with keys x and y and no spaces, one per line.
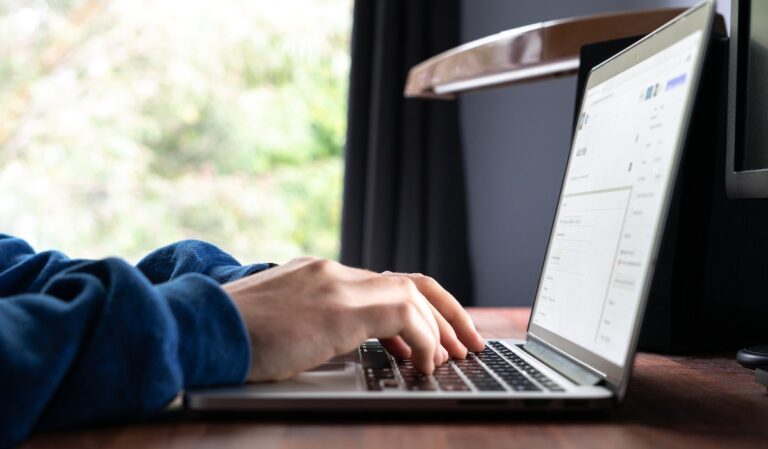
{"x":213,"y":344}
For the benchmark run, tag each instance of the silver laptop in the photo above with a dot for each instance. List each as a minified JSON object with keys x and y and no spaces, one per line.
{"x":589,"y":305}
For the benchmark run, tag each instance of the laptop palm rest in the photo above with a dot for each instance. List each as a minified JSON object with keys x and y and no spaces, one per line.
{"x":338,"y":374}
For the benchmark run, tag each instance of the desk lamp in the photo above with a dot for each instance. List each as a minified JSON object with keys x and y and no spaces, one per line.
{"x":528,"y":53}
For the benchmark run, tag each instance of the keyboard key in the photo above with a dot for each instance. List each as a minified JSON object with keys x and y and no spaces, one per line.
{"x":380,"y":374}
{"x":377,"y":367}
{"x":389,"y":383}
{"x":507,"y":372}
{"x":479,"y":376}
{"x":422,"y":383}
{"x":374,"y":358}
{"x":414,"y":379}
{"x":523,"y":366}
{"x":448,"y":379}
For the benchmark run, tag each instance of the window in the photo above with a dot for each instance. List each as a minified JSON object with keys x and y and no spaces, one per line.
{"x":129,"y":124}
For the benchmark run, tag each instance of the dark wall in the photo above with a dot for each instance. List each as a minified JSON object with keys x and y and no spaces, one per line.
{"x":516,"y":141}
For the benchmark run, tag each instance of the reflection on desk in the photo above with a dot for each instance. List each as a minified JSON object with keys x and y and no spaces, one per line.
{"x":673,"y":401}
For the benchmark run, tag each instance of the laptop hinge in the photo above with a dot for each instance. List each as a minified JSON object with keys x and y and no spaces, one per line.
{"x":563,"y":365}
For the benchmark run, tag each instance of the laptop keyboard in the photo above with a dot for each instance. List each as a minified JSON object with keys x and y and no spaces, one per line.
{"x":496,"y":368}
{"x":517,"y":379}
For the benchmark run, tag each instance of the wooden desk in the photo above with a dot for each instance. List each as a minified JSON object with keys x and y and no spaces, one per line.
{"x":686,"y":402}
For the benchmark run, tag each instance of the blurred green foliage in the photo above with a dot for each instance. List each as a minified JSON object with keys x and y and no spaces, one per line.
{"x":128,"y":124}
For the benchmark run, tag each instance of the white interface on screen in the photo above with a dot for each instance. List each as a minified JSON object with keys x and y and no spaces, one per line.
{"x":611,"y":204}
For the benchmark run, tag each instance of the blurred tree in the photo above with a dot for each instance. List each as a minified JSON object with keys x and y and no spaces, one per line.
{"x":127,"y":124}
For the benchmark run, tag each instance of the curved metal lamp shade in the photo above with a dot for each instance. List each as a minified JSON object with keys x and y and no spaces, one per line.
{"x":541,"y":50}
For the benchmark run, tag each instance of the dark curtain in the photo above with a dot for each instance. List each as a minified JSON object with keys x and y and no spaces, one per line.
{"x":404,"y":199}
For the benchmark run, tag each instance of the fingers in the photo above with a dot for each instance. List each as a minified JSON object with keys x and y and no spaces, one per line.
{"x":373,"y":287}
{"x":423,"y":306}
{"x":394,"y":307}
{"x":450,"y":309}
{"x":339,"y":307}
{"x":431,"y":310}
{"x":448,"y":339}
{"x":422,"y":341}
{"x":397,"y":347}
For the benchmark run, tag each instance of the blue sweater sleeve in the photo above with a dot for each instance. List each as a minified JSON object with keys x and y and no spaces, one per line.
{"x":194,"y":256}
{"x":89,"y":341}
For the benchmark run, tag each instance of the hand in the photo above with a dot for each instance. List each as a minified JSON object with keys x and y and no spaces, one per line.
{"x":307,"y":311}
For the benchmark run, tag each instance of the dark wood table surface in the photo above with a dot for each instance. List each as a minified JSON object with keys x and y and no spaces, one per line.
{"x":687,"y":402}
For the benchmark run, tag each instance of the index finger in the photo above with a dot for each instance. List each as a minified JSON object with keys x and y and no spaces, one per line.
{"x":450,"y":309}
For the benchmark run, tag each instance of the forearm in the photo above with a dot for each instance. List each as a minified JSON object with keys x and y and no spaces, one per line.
{"x":100,"y":342}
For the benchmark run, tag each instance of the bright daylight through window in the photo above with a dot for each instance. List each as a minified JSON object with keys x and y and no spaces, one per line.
{"x":129,"y":124}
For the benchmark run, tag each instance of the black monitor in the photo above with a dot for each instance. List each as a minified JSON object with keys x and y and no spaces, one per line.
{"x":747,"y":154}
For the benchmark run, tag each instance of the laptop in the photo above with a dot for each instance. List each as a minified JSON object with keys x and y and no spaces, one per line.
{"x":594,"y":283}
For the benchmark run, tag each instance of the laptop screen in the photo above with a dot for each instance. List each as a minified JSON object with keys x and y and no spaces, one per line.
{"x":612,"y":202}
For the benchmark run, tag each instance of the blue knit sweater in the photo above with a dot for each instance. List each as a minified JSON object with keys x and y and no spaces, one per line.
{"x":85,"y":341}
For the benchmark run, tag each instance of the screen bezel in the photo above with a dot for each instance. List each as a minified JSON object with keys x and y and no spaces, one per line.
{"x":740,"y":183}
{"x":697,"y":18}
